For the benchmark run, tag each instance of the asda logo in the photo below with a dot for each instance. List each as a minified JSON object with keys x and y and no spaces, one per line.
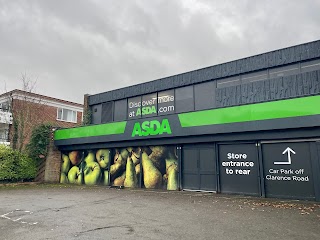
{"x":152,"y":128}
{"x":146,"y":111}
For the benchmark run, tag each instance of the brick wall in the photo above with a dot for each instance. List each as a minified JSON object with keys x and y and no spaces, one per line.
{"x":52,"y":164}
{"x":34,"y":114}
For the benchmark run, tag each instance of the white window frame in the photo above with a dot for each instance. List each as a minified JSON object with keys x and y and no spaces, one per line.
{"x":75,"y":113}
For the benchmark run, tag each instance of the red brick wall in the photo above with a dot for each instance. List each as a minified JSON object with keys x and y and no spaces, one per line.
{"x":53,"y":164}
{"x":36,"y":114}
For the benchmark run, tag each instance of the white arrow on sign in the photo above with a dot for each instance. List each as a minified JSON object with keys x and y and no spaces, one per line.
{"x":288,"y":150}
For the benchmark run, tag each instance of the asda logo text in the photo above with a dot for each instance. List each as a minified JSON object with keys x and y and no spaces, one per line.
{"x":151,"y":128}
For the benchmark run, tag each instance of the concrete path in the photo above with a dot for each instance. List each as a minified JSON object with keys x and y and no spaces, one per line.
{"x":77,"y":212}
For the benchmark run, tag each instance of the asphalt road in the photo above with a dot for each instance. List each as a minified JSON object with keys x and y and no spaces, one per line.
{"x":77,"y":212}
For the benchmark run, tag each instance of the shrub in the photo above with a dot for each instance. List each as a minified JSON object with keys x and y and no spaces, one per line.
{"x":16,"y":166}
{"x":38,"y":146}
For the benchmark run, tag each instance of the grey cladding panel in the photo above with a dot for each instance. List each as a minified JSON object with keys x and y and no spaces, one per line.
{"x":253,"y":92}
{"x":229,"y":69}
{"x":253,"y":63}
{"x":290,"y":55}
{"x":285,"y":56}
{"x":186,"y":79}
{"x":282,"y":57}
{"x":207,"y":73}
{"x":304,"y":84}
{"x":149,"y":87}
{"x":271,"y":59}
{"x":176,"y":80}
{"x":133,"y":90}
{"x":311,"y":83}
{"x":228,"y":96}
{"x":118,"y":94}
{"x":310,"y":50}
{"x":244,"y":65}
{"x":168,"y":83}
{"x":216,"y":72}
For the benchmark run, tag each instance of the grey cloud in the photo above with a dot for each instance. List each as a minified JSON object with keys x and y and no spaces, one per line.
{"x":79,"y":46}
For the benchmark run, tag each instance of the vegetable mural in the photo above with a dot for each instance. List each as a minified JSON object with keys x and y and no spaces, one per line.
{"x":131,"y":167}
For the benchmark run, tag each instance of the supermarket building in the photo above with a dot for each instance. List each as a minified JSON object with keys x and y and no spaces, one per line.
{"x":250,"y":126}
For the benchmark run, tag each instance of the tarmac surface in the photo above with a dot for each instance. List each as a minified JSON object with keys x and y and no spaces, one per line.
{"x":47,"y":211}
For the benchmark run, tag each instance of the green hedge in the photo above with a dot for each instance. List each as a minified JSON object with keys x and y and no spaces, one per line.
{"x":16,"y":166}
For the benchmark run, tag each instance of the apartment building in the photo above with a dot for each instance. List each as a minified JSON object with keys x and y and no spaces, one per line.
{"x":30,"y":109}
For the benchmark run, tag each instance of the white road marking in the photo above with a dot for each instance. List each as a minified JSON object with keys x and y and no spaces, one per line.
{"x":19,"y":218}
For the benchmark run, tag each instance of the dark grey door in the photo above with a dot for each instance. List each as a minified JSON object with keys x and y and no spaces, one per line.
{"x":288,"y":170}
{"x":318,"y":144}
{"x":239,"y":169}
{"x":199,"y":168}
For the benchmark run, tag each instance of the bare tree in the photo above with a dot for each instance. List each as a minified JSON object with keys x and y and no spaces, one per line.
{"x":25,"y":108}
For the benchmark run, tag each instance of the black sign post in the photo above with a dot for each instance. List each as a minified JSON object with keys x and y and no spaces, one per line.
{"x":287,"y":170}
{"x":238,"y":165}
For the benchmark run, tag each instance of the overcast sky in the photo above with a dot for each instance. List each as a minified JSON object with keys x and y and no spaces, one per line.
{"x":88,"y":46}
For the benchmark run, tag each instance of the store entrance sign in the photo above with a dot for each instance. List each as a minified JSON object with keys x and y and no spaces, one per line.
{"x":239,"y":168}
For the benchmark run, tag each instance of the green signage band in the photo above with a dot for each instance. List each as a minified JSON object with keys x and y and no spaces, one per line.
{"x":91,"y":131}
{"x":297,"y":107}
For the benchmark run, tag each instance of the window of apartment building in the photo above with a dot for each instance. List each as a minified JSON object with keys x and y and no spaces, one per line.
{"x":4,"y":135}
{"x":5,"y":106}
{"x":67,"y":115}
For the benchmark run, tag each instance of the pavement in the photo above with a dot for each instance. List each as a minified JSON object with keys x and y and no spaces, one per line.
{"x":54,"y":211}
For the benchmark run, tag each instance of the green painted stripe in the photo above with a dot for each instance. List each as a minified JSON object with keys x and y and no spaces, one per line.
{"x":297,"y":107}
{"x":91,"y":131}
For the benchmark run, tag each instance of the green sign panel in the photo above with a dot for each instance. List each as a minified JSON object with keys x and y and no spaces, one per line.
{"x":282,"y":109}
{"x":296,"y":107}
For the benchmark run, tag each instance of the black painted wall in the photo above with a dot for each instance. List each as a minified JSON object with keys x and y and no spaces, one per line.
{"x":299,"y":85}
{"x":272,"y":59}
